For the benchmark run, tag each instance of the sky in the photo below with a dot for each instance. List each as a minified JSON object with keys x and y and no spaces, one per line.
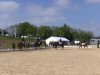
{"x":78,"y":14}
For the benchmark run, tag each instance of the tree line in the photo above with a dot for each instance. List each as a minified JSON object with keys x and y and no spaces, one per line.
{"x":43,"y":31}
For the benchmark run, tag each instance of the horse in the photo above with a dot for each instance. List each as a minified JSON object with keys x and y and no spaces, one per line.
{"x":20,"y":45}
{"x":56,"y":44}
{"x":37,"y":44}
{"x":85,"y":44}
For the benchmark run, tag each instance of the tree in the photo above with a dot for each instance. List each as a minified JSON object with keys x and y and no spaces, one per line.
{"x":26,"y":29}
{"x":11,"y":29}
{"x":67,"y":31}
{"x":63,"y":31}
{"x":55,"y":31}
{"x":44,"y":31}
{"x":82,"y":35}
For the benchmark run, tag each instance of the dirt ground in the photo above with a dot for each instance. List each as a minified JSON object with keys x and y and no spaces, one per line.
{"x":69,"y":61}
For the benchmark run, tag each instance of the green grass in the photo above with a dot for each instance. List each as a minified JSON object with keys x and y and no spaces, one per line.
{"x":6,"y":41}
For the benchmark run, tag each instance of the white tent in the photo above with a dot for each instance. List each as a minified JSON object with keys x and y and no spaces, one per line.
{"x":55,"y":39}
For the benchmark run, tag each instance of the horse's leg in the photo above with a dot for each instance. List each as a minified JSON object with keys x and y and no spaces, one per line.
{"x":84,"y":46}
{"x":37,"y":47}
{"x":62,"y":46}
{"x":79,"y":47}
{"x":34,"y":48}
{"x":20,"y":48}
{"x":87,"y":46}
{"x":55,"y":46}
{"x":25,"y":46}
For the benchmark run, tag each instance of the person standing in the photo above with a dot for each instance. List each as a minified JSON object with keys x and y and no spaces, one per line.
{"x":98,"y":44}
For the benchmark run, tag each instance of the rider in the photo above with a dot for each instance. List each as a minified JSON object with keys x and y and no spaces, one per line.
{"x":60,"y":42}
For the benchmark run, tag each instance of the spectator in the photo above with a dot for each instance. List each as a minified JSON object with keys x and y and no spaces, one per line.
{"x":98,"y":44}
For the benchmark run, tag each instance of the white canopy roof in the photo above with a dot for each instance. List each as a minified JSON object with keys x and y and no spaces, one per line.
{"x":55,"y":39}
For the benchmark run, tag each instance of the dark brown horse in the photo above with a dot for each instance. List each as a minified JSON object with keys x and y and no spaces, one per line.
{"x":20,"y":45}
{"x":56,"y":44}
{"x":37,"y":44}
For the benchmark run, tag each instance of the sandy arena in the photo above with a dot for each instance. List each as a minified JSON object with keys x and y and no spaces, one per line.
{"x":69,"y":61}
